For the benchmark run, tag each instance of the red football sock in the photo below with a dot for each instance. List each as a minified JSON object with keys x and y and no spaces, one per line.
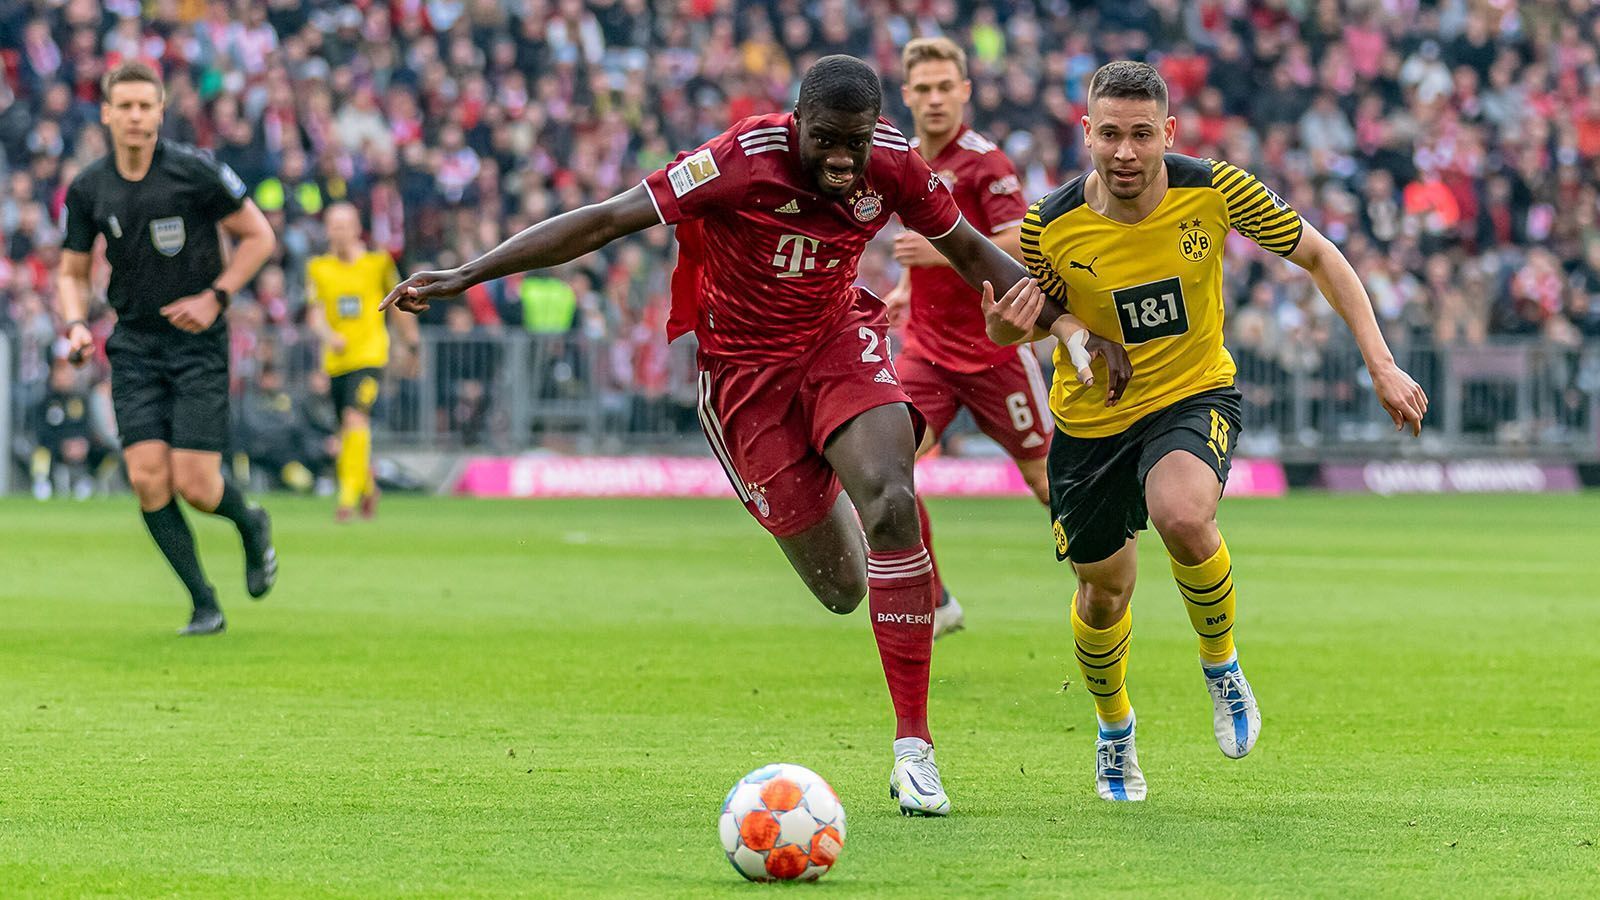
{"x":900,"y":597}
{"x":927,"y":542}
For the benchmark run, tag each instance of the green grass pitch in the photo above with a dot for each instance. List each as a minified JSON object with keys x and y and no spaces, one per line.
{"x":550,"y":699}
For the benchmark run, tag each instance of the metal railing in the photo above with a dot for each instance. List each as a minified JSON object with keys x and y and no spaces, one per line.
{"x":1507,"y":396}
{"x":516,"y":390}
{"x":507,"y":392}
{"x":9,"y":415}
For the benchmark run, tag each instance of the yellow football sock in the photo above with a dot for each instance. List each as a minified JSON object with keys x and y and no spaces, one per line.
{"x":1207,"y":591}
{"x":1103,"y":659}
{"x":40,"y":463}
{"x":354,"y":465}
{"x":297,"y":477}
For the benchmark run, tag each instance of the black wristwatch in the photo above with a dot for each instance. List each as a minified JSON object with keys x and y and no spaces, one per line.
{"x":222,"y":296}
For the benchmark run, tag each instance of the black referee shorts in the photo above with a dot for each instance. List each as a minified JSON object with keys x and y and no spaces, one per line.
{"x":170,"y":385}
{"x":1097,"y":484}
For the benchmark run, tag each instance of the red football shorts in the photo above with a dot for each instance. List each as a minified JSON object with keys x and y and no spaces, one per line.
{"x":1009,"y":400}
{"x":768,"y":424}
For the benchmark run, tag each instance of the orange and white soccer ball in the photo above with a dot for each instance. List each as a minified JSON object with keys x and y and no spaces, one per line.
{"x":782,"y":823}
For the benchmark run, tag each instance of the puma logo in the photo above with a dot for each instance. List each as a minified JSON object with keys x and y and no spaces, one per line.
{"x":1074,"y":264}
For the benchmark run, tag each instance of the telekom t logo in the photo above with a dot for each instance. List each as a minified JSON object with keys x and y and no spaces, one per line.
{"x":797,"y":255}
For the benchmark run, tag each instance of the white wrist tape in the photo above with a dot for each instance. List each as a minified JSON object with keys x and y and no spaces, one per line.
{"x":1076,"y":351}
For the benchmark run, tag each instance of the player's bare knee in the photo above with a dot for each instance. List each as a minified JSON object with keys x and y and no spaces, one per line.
{"x":1041,"y":489}
{"x":836,"y":587}
{"x":1101,"y":602}
{"x":192,"y":495}
{"x":1036,"y":474}
{"x":1108,"y":586}
{"x":197,"y":489}
{"x":841,"y":599}
{"x":154,"y":490}
{"x":151,"y":483}
{"x":1190,"y":536}
{"x":889,"y":515}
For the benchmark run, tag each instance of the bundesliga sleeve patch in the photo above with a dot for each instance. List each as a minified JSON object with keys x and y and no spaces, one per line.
{"x":1007,"y":185}
{"x":692,"y":172}
{"x":231,"y":181}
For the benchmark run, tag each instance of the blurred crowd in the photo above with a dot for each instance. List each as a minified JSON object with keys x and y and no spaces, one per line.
{"x":1452,"y":148}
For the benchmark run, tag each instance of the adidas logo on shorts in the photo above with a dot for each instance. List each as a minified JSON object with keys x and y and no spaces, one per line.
{"x":883,"y":377}
{"x":1032,"y":440}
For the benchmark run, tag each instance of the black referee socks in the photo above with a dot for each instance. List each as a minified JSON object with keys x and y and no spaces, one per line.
{"x":171,"y":532}
{"x":233,"y":508}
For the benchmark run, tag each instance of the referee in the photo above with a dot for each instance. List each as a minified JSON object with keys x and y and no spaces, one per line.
{"x":159,"y":205}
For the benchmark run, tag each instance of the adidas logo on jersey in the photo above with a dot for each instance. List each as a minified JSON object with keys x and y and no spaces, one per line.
{"x":793,"y":206}
{"x":883,"y":377}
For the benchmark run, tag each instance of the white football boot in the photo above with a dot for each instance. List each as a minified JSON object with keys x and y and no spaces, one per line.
{"x":1235,"y":716}
{"x":1117,"y":774}
{"x":948,"y":617}
{"x":915,"y":780}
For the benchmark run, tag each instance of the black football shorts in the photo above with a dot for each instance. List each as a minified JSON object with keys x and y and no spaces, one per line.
{"x":169,"y":385}
{"x":1097,"y":484}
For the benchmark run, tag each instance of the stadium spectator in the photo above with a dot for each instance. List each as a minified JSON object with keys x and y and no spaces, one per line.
{"x":280,"y":434}
{"x":1429,"y":127}
{"x":71,"y":443}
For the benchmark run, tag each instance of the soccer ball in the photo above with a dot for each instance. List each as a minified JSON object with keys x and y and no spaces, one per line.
{"x":782,"y":823}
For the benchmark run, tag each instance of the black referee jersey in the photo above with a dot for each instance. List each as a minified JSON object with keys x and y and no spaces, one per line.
{"x":161,"y":231}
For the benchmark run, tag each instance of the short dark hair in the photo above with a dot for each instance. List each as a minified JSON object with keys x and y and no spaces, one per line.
{"x":131,"y":72}
{"x":1128,"y":80}
{"x":843,"y":84}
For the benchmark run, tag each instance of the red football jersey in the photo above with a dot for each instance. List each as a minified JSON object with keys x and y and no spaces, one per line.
{"x":766,"y":262}
{"x":945,"y":325}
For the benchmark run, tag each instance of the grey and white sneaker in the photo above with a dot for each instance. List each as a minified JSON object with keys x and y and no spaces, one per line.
{"x":915,"y":780}
{"x":1235,"y":716}
{"x":1117,"y":774}
{"x":948,"y":618}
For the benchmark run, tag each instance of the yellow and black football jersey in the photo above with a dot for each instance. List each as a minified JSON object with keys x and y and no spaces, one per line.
{"x":349,"y":294}
{"x":1155,"y":286}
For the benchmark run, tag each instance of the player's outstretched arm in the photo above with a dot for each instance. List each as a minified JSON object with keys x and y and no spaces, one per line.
{"x":549,"y":243}
{"x":1402,"y":398}
{"x":1026,"y":312}
{"x":978,"y":260}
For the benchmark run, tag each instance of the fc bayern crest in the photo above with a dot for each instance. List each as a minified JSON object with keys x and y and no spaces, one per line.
{"x":866,"y":204}
{"x":758,"y":496}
